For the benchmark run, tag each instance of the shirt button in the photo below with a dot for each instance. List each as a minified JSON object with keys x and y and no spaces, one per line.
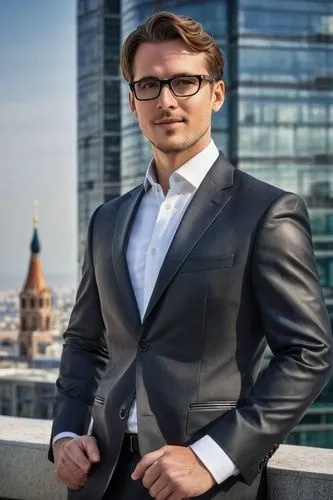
{"x":122,"y":413}
{"x":167,"y":206}
{"x":143,"y":346}
{"x":153,"y":251}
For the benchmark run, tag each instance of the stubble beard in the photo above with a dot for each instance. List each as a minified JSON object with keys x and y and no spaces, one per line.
{"x":178,"y":147}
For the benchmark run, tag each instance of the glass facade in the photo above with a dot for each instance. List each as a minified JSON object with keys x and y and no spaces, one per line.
{"x":281,"y":87}
{"x":98,"y":97}
{"x":276,"y":123}
{"x":316,"y":427}
{"x":20,"y":398}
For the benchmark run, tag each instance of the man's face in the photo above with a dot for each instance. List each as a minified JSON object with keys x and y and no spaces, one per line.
{"x":175,"y":124}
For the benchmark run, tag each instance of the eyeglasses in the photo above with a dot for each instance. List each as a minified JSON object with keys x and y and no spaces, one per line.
{"x":180,"y":86}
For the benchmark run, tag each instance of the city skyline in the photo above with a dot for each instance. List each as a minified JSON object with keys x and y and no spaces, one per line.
{"x":38,"y":137}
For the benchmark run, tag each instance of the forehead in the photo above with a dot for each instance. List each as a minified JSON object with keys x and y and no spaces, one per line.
{"x":166,"y":59}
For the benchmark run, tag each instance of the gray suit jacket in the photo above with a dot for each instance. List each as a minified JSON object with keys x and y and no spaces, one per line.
{"x":239,"y":273}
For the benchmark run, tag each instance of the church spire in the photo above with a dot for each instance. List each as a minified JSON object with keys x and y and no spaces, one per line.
{"x":35,"y":243}
{"x":35,"y":278}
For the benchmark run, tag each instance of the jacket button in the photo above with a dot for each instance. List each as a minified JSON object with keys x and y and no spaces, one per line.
{"x":122,"y":413}
{"x":143,"y":346}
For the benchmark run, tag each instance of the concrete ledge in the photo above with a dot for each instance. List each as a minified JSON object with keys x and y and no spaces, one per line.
{"x":294,"y":472}
{"x":300,"y":473}
{"x":25,"y":472}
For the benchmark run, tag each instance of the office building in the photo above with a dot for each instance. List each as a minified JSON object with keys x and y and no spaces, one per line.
{"x":281,"y":90}
{"x":98,"y":97}
{"x":27,"y":392}
{"x":277,"y":120}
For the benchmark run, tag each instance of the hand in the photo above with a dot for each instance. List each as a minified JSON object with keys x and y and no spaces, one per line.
{"x":173,"y":473}
{"x":73,"y":458}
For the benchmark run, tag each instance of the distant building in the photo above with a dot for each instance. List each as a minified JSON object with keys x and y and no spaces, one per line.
{"x":35,"y":305}
{"x":27,"y":392}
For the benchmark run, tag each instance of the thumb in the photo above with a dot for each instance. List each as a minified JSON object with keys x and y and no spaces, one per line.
{"x":89,"y":445}
{"x":146,"y":462}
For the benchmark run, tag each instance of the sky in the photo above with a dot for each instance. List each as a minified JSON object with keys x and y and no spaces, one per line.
{"x":37,"y":135}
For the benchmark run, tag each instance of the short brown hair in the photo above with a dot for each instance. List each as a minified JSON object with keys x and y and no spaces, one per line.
{"x":164,"y":26}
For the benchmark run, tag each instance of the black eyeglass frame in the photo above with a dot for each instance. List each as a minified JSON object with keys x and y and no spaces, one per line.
{"x":168,"y":81}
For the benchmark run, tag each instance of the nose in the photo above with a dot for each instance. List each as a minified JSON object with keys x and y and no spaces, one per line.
{"x":166,"y":98}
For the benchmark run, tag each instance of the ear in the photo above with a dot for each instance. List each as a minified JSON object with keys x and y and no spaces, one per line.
{"x":132,"y":103}
{"x":218,"y":95}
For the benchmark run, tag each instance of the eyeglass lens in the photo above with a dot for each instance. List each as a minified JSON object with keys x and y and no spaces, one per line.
{"x":181,"y":87}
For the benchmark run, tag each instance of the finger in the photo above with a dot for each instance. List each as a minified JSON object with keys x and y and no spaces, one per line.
{"x":73,"y":454}
{"x":90,"y":447}
{"x":151,"y":475}
{"x":73,"y":469}
{"x":158,"y":486}
{"x":72,"y":478}
{"x":71,"y":483}
{"x":164,"y":494}
{"x":146,"y":462}
{"x":175,"y":496}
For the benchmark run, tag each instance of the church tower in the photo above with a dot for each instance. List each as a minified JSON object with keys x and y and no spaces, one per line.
{"x":35,"y":303}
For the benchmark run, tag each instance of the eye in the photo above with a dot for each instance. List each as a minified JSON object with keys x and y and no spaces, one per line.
{"x":148,"y":84}
{"x":185,"y":82}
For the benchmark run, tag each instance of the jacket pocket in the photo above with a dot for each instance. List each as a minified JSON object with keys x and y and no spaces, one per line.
{"x":98,"y":400}
{"x":203,"y":413}
{"x":207,"y":263}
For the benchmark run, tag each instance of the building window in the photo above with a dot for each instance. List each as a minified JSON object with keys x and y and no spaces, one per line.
{"x":23,"y":303}
{"x":23,"y":349}
{"x":40,"y":302}
{"x":23,"y":324}
{"x":32,"y":303}
{"x":47,"y":323}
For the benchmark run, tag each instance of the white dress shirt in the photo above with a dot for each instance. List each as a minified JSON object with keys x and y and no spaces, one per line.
{"x":154,"y":227}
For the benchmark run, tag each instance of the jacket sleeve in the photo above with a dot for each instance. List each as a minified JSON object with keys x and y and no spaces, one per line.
{"x":84,"y":356}
{"x":297,"y":329}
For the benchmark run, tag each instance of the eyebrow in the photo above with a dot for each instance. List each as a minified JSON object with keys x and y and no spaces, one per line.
{"x":152,"y":77}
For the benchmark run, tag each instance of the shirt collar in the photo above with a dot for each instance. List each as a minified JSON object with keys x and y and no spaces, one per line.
{"x":193,"y":171}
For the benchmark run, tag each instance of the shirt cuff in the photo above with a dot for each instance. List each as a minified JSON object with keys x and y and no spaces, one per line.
{"x":63,"y":435}
{"x":214,"y":459}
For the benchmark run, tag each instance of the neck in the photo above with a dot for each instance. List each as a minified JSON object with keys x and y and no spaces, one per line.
{"x":167,"y":163}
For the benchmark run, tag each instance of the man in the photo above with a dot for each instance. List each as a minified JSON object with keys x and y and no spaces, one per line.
{"x":185,"y":280}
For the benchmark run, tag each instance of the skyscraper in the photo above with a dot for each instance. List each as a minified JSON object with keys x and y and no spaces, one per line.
{"x":281,"y":90}
{"x":98,"y":97}
{"x":277,"y":120}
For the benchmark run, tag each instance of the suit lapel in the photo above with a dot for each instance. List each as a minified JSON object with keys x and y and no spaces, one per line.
{"x":121,"y":234}
{"x":207,"y":203}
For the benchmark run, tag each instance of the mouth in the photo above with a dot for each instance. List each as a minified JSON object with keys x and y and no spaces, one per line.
{"x":169,"y":123}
